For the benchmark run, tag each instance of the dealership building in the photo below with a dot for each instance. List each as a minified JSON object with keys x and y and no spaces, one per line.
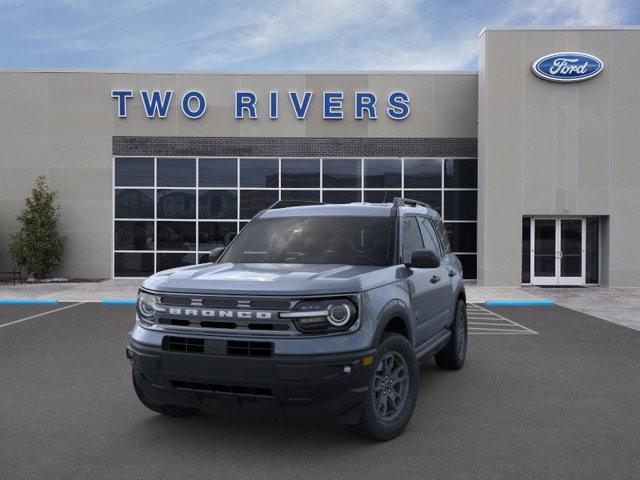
{"x":532,"y":161}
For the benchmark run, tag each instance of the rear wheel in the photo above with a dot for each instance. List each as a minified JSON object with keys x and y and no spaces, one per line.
{"x":452,"y":356}
{"x":393,"y":391}
{"x":169,"y":410}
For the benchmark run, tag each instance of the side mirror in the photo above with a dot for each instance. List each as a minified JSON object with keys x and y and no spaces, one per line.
{"x":425,"y":259}
{"x":214,"y":254}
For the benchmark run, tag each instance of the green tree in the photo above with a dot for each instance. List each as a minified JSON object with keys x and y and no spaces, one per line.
{"x":38,"y":246}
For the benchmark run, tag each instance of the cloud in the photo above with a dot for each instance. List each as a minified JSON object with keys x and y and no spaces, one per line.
{"x":284,"y":34}
{"x":570,"y":12}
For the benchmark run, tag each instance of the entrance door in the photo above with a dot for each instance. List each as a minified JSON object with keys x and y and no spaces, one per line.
{"x":558,"y":251}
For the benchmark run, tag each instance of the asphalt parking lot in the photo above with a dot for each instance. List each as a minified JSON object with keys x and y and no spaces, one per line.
{"x":547,"y":392}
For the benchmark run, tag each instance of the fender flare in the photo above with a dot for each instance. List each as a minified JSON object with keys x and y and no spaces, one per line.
{"x":393,"y":309}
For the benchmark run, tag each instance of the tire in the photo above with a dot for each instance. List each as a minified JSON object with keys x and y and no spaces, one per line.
{"x":169,"y":410}
{"x":452,"y":356}
{"x":385,"y":415}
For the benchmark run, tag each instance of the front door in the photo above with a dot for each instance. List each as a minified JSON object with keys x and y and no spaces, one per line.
{"x":558,"y":251}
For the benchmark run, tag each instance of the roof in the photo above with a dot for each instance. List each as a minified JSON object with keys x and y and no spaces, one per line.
{"x":561,"y":28}
{"x":343,"y":210}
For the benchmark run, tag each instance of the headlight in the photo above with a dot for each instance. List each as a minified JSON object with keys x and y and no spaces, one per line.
{"x":323,"y":315}
{"x":147,"y":307}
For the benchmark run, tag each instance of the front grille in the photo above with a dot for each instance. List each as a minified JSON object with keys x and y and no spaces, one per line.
{"x":183,"y":344}
{"x":220,"y":388}
{"x":218,"y":347}
{"x":249,"y":349}
{"x":270,"y":303}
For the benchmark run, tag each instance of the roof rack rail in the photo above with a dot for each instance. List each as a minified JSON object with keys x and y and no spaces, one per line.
{"x":409,"y":202}
{"x":292,"y":203}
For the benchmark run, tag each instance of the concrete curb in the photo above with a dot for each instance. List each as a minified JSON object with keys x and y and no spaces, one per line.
{"x":113,"y":301}
{"x":28,"y":301}
{"x":519,"y":303}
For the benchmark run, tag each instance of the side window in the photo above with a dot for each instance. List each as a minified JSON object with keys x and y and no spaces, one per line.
{"x":411,"y":238}
{"x":442,"y":233}
{"x":430,"y":238}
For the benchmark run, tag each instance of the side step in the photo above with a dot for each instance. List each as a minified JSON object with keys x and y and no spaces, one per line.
{"x":431,"y":348}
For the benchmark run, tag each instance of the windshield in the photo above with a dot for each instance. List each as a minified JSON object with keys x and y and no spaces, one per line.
{"x":332,"y":240}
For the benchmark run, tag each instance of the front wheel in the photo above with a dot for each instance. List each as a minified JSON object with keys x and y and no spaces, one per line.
{"x":453,"y":354}
{"x":393,"y":391}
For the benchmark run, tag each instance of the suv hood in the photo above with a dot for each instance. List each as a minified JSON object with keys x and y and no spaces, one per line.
{"x":271,"y":279}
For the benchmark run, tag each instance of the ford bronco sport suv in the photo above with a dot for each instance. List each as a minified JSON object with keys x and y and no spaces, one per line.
{"x":322,"y":310}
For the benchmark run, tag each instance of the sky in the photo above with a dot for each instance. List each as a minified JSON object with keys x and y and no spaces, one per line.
{"x":237,"y":35}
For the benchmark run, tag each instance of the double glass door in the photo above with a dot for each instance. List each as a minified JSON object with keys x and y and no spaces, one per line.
{"x":558,"y":251}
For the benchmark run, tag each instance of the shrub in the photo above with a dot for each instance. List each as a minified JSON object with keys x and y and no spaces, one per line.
{"x":37,"y":246}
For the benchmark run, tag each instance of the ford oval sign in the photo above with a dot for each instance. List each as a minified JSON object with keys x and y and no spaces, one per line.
{"x":567,"y":66}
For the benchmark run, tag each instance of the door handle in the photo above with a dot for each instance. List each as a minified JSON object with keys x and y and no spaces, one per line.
{"x":452,"y":272}
{"x":435,"y":279}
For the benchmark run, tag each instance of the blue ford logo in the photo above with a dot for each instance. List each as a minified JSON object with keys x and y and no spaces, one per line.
{"x":567,"y":66}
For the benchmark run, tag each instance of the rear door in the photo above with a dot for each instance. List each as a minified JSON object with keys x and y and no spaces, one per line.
{"x":424,"y":293}
{"x":442,"y":279}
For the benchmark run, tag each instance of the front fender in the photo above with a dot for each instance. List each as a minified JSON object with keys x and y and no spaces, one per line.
{"x":392,"y":310}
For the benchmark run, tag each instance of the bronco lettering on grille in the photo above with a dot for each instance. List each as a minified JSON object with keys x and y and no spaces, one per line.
{"x":218,"y":313}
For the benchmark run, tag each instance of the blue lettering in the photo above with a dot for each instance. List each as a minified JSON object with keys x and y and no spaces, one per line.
{"x":332,"y":105}
{"x":122,"y":96}
{"x":299,"y":108}
{"x":365,"y":101}
{"x":398,"y":105}
{"x":156,"y":105}
{"x":200,"y":100}
{"x":273,"y":105}
{"x":246,"y":101}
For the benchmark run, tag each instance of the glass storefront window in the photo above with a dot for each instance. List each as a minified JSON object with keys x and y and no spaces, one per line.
{"x":217,"y":172}
{"x":197,"y":204}
{"x":341,"y":196}
{"x":463,"y":237}
{"x":469,"y":265}
{"x":176,"y":203}
{"x":526,"y":250}
{"x":593,"y":248}
{"x":341,"y":173}
{"x":133,"y":235}
{"x":303,"y":195}
{"x":172,"y":260}
{"x":252,"y":201}
{"x":134,"y":172}
{"x":134,"y":203}
{"x":460,"y":205}
{"x":381,"y":196}
{"x":259,"y":172}
{"x":422,"y":173}
{"x":176,"y":235}
{"x":215,"y":234}
{"x":382,"y":172}
{"x":300,"y":173}
{"x":218,"y":204}
{"x":460,"y":173}
{"x":176,"y":172}
{"x":132,"y":264}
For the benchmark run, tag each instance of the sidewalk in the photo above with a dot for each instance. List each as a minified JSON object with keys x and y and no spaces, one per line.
{"x":617,"y":305}
{"x":614,"y":304}
{"x":121,"y":289}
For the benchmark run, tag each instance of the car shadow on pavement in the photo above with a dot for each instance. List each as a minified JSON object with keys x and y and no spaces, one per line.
{"x":267,"y":432}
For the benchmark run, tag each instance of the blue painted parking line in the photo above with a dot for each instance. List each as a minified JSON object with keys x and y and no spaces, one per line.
{"x":113,"y":301}
{"x":518,"y":303}
{"x":28,"y":301}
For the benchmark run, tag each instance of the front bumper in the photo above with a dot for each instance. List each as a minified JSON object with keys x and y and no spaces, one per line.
{"x":328,"y":385}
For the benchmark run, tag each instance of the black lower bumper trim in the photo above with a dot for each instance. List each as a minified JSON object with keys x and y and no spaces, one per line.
{"x":317,"y":386}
